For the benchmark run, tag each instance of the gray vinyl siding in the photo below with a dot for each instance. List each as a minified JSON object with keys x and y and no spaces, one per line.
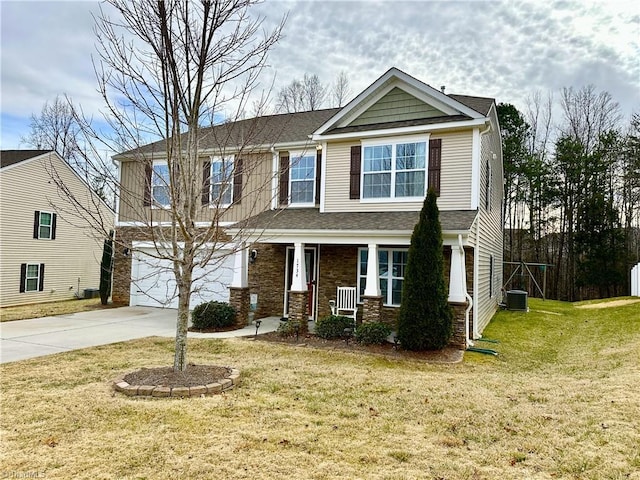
{"x":456,"y":177}
{"x":397,"y":105}
{"x":489,"y":230}
{"x":256,"y":192}
{"x":72,"y":259}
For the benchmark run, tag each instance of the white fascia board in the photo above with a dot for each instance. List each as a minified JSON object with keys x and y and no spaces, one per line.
{"x":169,"y":224}
{"x":401,"y":131}
{"x":342,"y":237}
{"x":323,"y":177}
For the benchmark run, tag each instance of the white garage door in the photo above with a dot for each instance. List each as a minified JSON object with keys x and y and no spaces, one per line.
{"x":153,"y":283}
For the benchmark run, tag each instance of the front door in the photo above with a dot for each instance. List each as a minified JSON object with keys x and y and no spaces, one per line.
{"x":311,"y":267}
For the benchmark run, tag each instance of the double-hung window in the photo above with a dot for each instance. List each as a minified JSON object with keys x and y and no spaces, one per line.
{"x":160,"y":189}
{"x":392,"y":264}
{"x":221,"y":180}
{"x":302,"y":179}
{"x":31,"y":277}
{"x":44,"y":225}
{"x":394,"y":169}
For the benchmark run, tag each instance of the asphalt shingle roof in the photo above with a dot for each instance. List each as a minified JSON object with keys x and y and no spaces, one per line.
{"x":267,"y":130}
{"x":312,"y":219}
{"x":11,"y":157}
{"x":479,"y":104}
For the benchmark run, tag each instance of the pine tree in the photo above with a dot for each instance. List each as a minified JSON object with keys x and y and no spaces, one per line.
{"x":425,"y":320}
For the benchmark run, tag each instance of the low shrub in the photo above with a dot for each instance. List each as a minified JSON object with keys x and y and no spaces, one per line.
{"x":372,"y":333}
{"x":213,"y":315}
{"x":333,"y":326}
{"x":288,"y":328}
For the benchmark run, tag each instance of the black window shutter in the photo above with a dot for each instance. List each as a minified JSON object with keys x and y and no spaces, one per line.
{"x":54,"y":222}
{"x":41,"y":279}
{"x":284,"y":180}
{"x":23,"y":277}
{"x":318,"y":173}
{"x":148,"y":170}
{"x":206,"y":182}
{"x":237,"y":180}
{"x":36,"y":224}
{"x":435,"y":165}
{"x":354,"y":184}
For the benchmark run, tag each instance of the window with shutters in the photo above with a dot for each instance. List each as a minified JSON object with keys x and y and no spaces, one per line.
{"x":302,"y":178}
{"x":160,"y":187}
{"x":44,"y":225}
{"x":221,"y":181}
{"x":394,"y":169}
{"x":31,"y":277}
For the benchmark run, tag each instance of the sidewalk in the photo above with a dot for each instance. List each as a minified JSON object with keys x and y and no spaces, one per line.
{"x":37,"y":337}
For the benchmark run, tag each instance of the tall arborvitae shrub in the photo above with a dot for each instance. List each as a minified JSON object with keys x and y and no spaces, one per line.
{"x":106,"y":269}
{"x":425,"y":320}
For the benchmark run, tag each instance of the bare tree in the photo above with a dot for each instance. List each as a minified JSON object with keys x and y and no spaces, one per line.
{"x":302,"y":95}
{"x":165,"y":69}
{"x":341,"y":90}
{"x":55,"y":128}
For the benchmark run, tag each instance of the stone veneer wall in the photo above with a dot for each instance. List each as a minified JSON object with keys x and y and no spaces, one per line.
{"x":266,"y":278}
{"x":338,"y":268}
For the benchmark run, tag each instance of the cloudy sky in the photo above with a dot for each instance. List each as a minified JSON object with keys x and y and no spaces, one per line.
{"x":501,"y":49}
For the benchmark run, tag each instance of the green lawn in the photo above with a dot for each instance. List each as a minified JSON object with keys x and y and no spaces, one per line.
{"x":562,"y":400}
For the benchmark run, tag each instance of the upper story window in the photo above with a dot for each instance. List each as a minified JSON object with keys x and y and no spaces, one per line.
{"x":44,"y":225}
{"x":222,"y":180}
{"x":302,"y":181}
{"x":394,"y":170}
{"x":160,"y":190}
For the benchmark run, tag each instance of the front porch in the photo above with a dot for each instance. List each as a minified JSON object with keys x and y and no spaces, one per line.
{"x":297,"y":280}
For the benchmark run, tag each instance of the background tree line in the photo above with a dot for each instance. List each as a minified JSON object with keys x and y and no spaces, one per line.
{"x":572,"y":193}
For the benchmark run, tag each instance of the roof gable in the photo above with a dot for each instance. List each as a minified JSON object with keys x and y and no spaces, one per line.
{"x":418,"y":101}
{"x":12,"y":157}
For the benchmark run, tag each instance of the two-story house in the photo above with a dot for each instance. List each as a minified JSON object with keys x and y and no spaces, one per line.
{"x":330,"y":198}
{"x":46,"y":253}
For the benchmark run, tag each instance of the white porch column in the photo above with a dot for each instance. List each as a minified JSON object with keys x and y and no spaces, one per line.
{"x":299,"y":280}
{"x":240,"y":268}
{"x":372,"y":288}
{"x":457,"y":276}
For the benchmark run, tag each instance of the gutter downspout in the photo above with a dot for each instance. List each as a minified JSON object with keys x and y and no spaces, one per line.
{"x":466,"y":294}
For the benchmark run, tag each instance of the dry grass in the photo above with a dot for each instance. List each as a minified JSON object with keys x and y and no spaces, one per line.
{"x":561,"y":401}
{"x":22,"y":312}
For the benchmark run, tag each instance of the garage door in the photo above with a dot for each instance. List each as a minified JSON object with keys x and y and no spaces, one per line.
{"x":153,"y":283}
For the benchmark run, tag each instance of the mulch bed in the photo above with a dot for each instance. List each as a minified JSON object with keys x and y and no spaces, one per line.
{"x":446,"y":355}
{"x":216,"y":329}
{"x":193,"y":376}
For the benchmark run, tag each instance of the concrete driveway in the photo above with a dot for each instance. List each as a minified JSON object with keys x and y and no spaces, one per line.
{"x":37,"y":337}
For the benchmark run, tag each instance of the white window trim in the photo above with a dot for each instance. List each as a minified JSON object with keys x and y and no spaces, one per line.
{"x":393,"y":141}
{"x":27,"y":277}
{"x":301,"y":154}
{"x":40,"y":224}
{"x":389,"y":278}
{"x":218,"y":159}
{"x":155,"y":205}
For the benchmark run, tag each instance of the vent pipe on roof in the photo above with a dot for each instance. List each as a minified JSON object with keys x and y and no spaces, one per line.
{"x":442,"y":88}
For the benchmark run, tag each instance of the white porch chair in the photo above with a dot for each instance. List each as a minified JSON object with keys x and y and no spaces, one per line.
{"x":346,"y":303}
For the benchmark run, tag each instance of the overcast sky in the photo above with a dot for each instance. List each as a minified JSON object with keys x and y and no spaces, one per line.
{"x":505,"y":50}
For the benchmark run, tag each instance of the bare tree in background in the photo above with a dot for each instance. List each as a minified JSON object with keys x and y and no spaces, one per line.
{"x":55,"y":128}
{"x":302,"y":95}
{"x":341,"y":90}
{"x":165,"y":69}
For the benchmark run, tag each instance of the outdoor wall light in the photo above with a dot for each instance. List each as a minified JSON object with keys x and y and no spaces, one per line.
{"x":253,"y":255}
{"x":126,"y":251}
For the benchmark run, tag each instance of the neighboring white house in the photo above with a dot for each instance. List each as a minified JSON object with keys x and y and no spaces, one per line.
{"x":45,"y":255}
{"x":635,"y":281}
